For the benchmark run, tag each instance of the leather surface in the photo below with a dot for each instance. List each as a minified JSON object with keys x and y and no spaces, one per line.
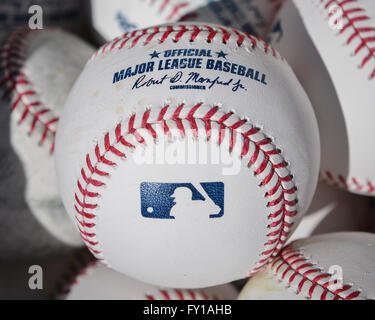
{"x":340,"y":90}
{"x":32,"y":210}
{"x":100,"y":283}
{"x":183,"y":252}
{"x":349,"y":254}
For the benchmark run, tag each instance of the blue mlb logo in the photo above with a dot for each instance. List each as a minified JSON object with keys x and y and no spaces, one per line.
{"x":182,"y":200}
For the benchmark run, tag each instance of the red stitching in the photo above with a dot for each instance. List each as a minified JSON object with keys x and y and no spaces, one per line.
{"x":17,"y":85}
{"x":173,"y":9}
{"x":183,"y":294}
{"x":351,"y":183}
{"x":178,"y":32}
{"x":78,"y":267}
{"x":265,"y":161}
{"x":293,"y":268}
{"x":170,"y":7}
{"x":366,"y":34}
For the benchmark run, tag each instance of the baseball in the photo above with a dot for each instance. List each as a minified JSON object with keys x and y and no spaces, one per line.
{"x":111,"y":19}
{"x":191,"y":148}
{"x":38,"y":69}
{"x":97,"y":282}
{"x":335,"y":266}
{"x":336,"y":50}
{"x":334,"y":210}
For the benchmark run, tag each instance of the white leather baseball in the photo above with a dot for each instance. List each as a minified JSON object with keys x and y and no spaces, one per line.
{"x":335,"y":266}
{"x":334,"y":210}
{"x":38,"y":69}
{"x":111,"y":19}
{"x":97,"y":282}
{"x":120,"y":142}
{"x":337,"y":70}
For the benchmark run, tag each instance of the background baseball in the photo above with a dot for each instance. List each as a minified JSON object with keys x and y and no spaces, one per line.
{"x":328,"y":62}
{"x":110,"y":20}
{"x":334,"y":210}
{"x":312,"y":268}
{"x":33,"y":66}
{"x":96,"y":282}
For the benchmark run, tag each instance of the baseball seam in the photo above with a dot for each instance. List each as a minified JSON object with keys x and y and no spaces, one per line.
{"x":70,"y":277}
{"x":182,"y":294}
{"x":174,"y":8}
{"x":365,"y":34}
{"x":188,"y":33}
{"x":292,"y":268}
{"x":24,"y":97}
{"x":264,"y":159}
{"x":350,"y":183}
{"x":169,"y":7}
{"x":352,"y":15}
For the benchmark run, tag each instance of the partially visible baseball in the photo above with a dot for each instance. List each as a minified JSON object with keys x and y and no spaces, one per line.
{"x":255,"y":17}
{"x":111,"y":19}
{"x":336,"y":65}
{"x":188,"y":147}
{"x":334,"y":210}
{"x":37,"y":70}
{"x":97,"y":282}
{"x":335,"y":266}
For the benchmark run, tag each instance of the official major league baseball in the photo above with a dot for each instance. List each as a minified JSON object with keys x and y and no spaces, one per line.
{"x":186,"y":154}
{"x":335,"y":63}
{"x":334,"y":266}
{"x":38,"y":69}
{"x":111,"y":19}
{"x":97,"y":282}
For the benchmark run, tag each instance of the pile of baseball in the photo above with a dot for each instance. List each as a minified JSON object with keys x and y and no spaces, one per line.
{"x":156,"y":149}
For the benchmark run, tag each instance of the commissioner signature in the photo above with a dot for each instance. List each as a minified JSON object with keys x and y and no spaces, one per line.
{"x":191,"y":78}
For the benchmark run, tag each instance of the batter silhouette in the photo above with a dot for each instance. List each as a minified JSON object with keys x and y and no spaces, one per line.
{"x":186,"y":208}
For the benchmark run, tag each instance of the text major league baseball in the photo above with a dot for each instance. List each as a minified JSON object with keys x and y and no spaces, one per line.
{"x":182,"y":59}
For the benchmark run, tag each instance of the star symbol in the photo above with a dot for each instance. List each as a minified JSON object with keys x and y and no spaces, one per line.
{"x":221,"y":54}
{"x":154,"y":54}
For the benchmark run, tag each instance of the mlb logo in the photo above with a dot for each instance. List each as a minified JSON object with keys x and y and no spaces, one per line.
{"x":203,"y":200}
